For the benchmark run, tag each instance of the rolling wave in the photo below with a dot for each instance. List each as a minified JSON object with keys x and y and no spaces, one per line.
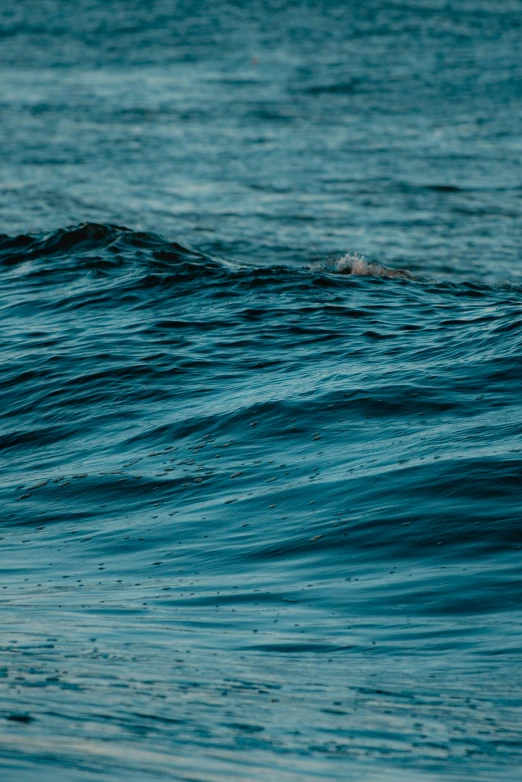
{"x":263,"y":461}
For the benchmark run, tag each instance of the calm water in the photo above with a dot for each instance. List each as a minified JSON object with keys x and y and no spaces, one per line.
{"x":260,"y":517}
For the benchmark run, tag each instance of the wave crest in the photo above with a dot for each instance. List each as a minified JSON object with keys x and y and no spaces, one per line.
{"x":86,"y":238}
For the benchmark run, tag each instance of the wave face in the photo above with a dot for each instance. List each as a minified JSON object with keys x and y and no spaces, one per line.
{"x":257,"y":521}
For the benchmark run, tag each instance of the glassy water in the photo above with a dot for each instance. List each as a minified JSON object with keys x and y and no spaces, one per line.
{"x":260,"y":515}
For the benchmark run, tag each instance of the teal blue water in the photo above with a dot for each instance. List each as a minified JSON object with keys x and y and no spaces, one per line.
{"x":260,"y":498}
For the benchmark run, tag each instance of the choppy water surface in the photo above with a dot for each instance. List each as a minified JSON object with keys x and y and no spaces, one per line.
{"x":260,"y":517}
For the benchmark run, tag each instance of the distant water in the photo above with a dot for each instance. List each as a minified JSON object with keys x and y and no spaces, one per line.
{"x":261,"y":516}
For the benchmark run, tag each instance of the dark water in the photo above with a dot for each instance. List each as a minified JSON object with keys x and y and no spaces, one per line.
{"x":260,"y":518}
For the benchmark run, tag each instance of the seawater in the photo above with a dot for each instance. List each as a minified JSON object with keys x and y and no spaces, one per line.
{"x":260,"y":516}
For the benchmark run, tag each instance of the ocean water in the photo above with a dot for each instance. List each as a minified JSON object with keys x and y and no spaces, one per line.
{"x":260,"y":495}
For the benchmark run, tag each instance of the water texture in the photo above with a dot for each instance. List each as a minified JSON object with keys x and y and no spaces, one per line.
{"x":260,"y":496}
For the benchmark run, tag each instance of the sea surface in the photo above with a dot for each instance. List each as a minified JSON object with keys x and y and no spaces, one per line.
{"x":261,"y":516}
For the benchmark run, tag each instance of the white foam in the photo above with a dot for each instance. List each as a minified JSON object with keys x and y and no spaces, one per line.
{"x":352,"y":263}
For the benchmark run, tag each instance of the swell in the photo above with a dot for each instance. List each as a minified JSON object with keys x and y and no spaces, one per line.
{"x":103,"y":254}
{"x":379,"y":417}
